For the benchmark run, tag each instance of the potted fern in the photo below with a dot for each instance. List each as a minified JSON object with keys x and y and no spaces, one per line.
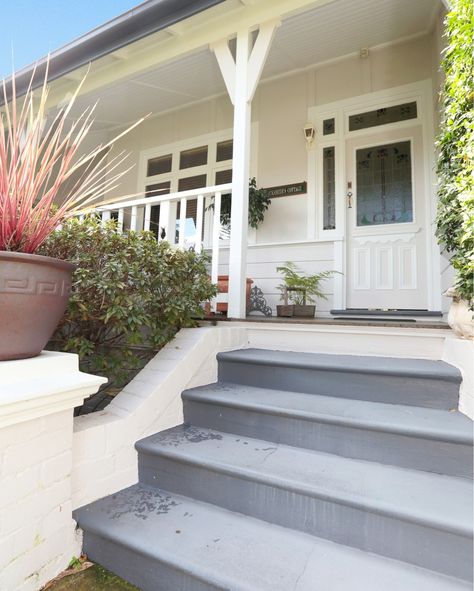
{"x":44,"y":179}
{"x":298,"y":291}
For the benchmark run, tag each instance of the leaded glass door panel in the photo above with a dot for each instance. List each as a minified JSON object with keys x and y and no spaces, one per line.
{"x":386,"y":250}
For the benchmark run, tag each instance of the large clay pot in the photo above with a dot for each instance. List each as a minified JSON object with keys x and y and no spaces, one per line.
{"x":461,"y":316}
{"x":34,"y":291}
{"x":223,"y":287}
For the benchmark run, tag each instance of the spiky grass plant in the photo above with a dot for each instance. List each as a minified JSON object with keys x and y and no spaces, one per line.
{"x":44,"y":178}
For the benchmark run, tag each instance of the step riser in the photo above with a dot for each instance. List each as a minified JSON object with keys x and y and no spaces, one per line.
{"x":425,"y":392}
{"x":358,"y":527}
{"x":359,"y":443}
{"x":146,"y":572}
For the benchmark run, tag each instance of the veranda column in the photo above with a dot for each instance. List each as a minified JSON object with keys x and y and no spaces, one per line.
{"x":241,"y":77}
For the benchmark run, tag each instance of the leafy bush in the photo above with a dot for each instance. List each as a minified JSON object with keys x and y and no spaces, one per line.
{"x":455,"y":219}
{"x":128,"y":291}
{"x":308,"y":285}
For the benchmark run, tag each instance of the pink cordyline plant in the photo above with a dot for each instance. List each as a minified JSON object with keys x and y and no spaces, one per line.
{"x":43,"y":177}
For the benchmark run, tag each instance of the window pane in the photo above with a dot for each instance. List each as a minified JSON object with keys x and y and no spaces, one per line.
{"x":383,"y":116}
{"x":153,"y":191}
{"x":194,"y":157}
{"x":384,"y":189}
{"x":223,"y":177}
{"x":224,"y":150}
{"x":158,"y":189}
{"x":329,"y":126}
{"x":329,"y":188}
{"x":159,"y":165}
{"x":192,"y":182}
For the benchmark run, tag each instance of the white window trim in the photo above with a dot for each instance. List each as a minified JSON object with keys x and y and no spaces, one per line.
{"x":422,"y":93}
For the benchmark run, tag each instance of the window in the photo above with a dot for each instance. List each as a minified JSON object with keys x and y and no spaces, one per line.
{"x":329,"y":188}
{"x":329,"y":126}
{"x":194,"y":157}
{"x":153,"y":191}
{"x":186,"y":170}
{"x":224,"y":150}
{"x":383,"y":116}
{"x":159,"y":165}
{"x":223,"y":177}
{"x":384,"y":188}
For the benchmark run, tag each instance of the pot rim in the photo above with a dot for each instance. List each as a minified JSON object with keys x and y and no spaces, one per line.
{"x":38,"y":259}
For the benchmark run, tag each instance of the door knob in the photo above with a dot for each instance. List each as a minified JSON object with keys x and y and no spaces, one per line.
{"x":349,"y":194}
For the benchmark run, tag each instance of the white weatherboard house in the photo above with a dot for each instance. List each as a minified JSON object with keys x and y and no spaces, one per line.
{"x":231,"y":86}
{"x":332,"y":455}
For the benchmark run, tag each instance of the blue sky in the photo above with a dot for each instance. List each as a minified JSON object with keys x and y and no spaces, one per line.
{"x":34,"y":27}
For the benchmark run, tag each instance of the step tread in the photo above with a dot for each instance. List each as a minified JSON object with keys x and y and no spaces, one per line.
{"x":443,"y":425}
{"x":239,"y":553}
{"x":435,"y":500}
{"x":394,"y":366}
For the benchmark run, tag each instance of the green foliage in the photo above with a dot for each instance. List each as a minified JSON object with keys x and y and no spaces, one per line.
{"x":308,"y":284}
{"x":129,"y":292}
{"x":259,"y":202}
{"x":455,"y":219}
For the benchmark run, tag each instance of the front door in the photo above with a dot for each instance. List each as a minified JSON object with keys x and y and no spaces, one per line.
{"x":386,"y":234}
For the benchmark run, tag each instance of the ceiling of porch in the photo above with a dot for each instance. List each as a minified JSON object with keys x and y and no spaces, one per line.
{"x":331,"y":31}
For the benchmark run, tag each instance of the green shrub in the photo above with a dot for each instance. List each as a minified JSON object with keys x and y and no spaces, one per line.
{"x":129,"y":292}
{"x":455,"y":219}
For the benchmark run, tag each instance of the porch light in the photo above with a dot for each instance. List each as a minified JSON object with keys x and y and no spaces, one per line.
{"x":309,"y":133}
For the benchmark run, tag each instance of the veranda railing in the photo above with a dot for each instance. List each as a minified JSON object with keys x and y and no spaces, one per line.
{"x":136,"y":214}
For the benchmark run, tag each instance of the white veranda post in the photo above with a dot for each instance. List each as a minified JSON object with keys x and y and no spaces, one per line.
{"x":241,"y":76}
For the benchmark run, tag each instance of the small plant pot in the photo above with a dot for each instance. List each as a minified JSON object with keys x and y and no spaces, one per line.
{"x":34,"y":292}
{"x":306,"y":311}
{"x":285,"y":311}
{"x":296,"y":311}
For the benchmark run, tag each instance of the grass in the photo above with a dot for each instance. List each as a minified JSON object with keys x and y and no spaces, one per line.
{"x":94,"y":578}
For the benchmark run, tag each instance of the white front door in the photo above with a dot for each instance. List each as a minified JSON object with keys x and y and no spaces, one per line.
{"x":386,"y":233}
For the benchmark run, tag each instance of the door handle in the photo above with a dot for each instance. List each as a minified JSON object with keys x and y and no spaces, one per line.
{"x":349,"y":194}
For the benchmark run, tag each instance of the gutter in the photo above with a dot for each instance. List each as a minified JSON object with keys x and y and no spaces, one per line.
{"x":143,"y":20}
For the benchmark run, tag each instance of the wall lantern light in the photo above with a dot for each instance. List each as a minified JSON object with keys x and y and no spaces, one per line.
{"x":309,"y":133}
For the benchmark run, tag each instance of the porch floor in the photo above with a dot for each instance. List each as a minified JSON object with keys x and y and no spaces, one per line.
{"x":399,"y":323}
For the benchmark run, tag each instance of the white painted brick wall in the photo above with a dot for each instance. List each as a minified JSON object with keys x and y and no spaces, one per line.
{"x":37,"y":533}
{"x":36,"y":525}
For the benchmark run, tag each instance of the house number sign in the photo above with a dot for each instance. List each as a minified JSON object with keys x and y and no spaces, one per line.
{"x":286,"y":190}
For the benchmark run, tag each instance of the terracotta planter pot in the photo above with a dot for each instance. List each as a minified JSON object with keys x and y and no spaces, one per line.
{"x":223,"y":287}
{"x":34,"y":291}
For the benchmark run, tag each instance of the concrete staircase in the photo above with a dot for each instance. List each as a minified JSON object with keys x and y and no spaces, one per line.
{"x":303,"y":472}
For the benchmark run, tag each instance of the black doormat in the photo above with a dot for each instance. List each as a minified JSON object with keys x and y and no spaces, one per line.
{"x":374,"y":319}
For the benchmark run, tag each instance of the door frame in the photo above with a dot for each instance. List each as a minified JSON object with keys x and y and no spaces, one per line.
{"x":422,"y":93}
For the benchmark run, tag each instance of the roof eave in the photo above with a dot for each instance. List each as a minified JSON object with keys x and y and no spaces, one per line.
{"x":143,"y":20}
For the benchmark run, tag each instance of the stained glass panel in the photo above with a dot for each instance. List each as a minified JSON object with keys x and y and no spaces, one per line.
{"x":383,"y":116}
{"x":384,"y":186}
{"x":329,"y":188}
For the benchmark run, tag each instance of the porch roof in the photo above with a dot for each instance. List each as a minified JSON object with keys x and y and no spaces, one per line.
{"x":322,"y":32}
{"x":142,"y":20}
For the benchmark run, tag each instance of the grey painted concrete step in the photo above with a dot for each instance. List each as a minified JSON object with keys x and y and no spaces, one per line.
{"x":165,"y":542}
{"x":419,"y":438}
{"x":415,"y":382}
{"x":421,"y":518}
